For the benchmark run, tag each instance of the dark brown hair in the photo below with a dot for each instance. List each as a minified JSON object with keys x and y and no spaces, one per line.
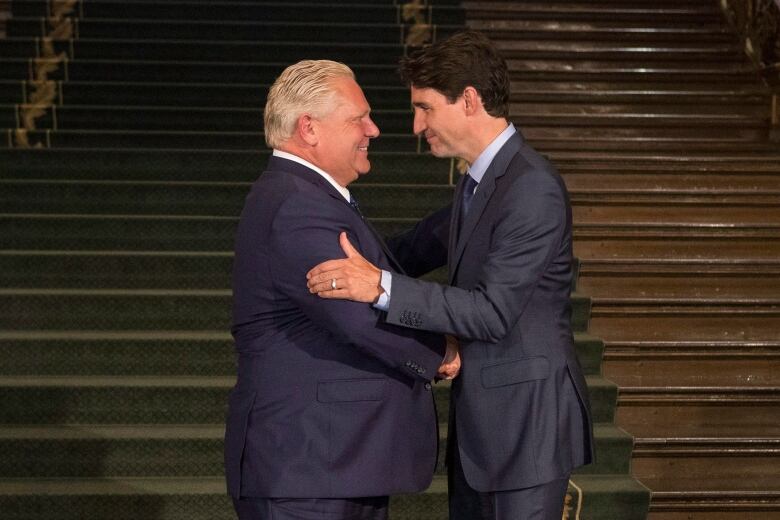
{"x":466,"y":58}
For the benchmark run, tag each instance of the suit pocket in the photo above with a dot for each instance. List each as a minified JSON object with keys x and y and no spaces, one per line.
{"x":350,"y":390}
{"x":515,"y":371}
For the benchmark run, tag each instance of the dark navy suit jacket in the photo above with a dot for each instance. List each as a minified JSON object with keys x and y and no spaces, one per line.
{"x":330,"y":400}
{"x":521,"y":401}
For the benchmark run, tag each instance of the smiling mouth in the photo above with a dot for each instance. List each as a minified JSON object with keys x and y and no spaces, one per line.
{"x":363,"y":148}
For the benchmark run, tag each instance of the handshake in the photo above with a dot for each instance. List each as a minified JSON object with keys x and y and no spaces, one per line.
{"x":450,"y":366}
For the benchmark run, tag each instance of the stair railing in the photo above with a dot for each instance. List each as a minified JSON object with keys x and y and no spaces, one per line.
{"x":758,"y":23}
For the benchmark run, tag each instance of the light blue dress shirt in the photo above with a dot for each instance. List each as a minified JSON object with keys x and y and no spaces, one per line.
{"x":476,"y":171}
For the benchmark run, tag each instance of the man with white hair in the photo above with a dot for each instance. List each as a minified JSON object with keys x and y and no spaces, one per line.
{"x":332,"y":410}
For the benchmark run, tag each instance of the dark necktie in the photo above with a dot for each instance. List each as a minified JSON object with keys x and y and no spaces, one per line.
{"x":469,"y":185}
{"x":354,"y":203}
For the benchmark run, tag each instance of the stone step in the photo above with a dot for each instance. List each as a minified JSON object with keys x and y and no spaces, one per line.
{"x":638,"y":92}
{"x":690,"y":178}
{"x":652,"y":164}
{"x":550,"y":140}
{"x":702,"y":110}
{"x":204,"y":498}
{"x":700,"y":319}
{"x":689,"y":206}
{"x":709,"y":505}
{"x":679,"y":278}
{"x":686,"y":15}
{"x":665,"y":241}
{"x":708,"y":464}
{"x":643,"y":363}
{"x":553,"y":28}
{"x":630,"y":71}
{"x":698,"y":411}
{"x":718,"y":54}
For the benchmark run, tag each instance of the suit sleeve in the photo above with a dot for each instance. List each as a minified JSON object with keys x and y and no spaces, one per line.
{"x":305,"y":233}
{"x":528,"y":233}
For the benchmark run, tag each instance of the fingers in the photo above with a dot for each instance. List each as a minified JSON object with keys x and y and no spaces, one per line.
{"x":346,"y":246}
{"x":326,"y":285}
{"x":322,"y":271}
{"x":448,"y":373}
{"x":337,"y":294}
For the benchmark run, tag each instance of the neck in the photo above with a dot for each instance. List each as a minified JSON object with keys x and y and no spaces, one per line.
{"x":486,"y":130}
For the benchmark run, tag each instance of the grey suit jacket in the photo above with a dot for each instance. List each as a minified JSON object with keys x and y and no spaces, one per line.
{"x":520,"y":401}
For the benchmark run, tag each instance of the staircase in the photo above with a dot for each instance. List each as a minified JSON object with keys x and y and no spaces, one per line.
{"x":134,"y":132}
{"x":659,"y":126}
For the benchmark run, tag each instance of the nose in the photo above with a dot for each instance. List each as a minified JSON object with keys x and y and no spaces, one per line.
{"x":419,"y":126}
{"x":371,"y":130}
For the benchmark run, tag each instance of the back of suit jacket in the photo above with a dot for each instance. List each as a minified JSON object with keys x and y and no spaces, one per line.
{"x":330,"y":401}
{"x":520,"y":403}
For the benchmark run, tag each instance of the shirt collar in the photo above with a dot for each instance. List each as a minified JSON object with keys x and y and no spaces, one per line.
{"x":479,"y":167}
{"x":290,"y":157}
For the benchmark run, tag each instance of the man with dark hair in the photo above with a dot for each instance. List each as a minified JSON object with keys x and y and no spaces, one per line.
{"x":520,"y":416}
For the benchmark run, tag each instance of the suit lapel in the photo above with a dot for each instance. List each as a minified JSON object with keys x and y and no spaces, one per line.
{"x":498,"y":167}
{"x":454,"y":227}
{"x":396,"y":265}
{"x":315,"y":178}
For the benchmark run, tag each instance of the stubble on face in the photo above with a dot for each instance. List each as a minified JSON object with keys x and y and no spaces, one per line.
{"x":436,"y":119}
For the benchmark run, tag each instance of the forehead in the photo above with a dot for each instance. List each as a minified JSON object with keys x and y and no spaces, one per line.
{"x":427,"y":96}
{"x":350,"y":95}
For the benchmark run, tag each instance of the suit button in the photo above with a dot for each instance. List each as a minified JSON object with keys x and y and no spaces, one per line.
{"x":427,"y":386}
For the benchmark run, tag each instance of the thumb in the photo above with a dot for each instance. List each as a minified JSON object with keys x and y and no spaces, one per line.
{"x":346,"y":245}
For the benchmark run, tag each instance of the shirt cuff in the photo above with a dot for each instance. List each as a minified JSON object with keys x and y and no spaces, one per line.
{"x":383,"y":303}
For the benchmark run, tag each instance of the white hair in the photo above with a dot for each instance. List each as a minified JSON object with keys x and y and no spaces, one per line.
{"x":305,"y":87}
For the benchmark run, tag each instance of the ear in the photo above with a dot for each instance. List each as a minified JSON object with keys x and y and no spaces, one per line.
{"x":472,"y":102}
{"x":305,"y":128}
